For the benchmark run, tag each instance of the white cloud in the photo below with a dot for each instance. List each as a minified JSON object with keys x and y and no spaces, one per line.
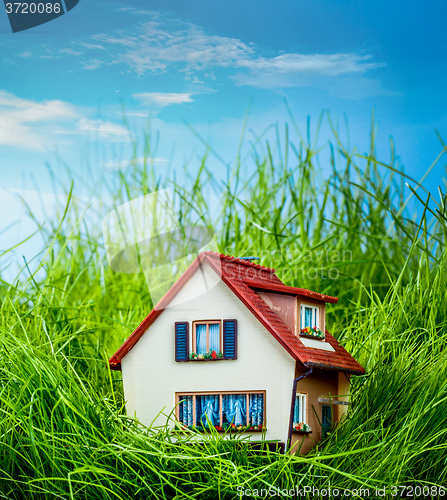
{"x":91,"y":45}
{"x":157,"y":47}
{"x":29,"y":124}
{"x":92,"y":64}
{"x":71,"y":52}
{"x":154,"y":49}
{"x":321,"y":64}
{"x":133,"y":10}
{"x":26,"y":53}
{"x":103,"y":129}
{"x":163,"y":98}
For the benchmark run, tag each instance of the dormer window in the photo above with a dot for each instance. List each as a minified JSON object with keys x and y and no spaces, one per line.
{"x":310,"y":322}
{"x":310,"y":316}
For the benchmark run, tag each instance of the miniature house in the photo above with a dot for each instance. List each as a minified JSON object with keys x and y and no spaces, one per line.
{"x":248,"y":353}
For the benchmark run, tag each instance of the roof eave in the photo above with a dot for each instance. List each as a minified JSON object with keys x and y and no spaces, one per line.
{"x":291,"y":290}
{"x":335,"y":368}
{"x":130,"y":342}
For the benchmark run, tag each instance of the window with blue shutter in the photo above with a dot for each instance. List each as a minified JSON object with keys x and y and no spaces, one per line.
{"x":182,"y":341}
{"x":230,"y":339}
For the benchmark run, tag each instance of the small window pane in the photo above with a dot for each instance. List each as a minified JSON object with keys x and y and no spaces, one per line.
{"x":200,"y":339}
{"x":234,"y":409}
{"x":308,"y":317}
{"x":296,"y":417}
{"x":326,"y":418}
{"x":215,"y":337}
{"x":186,"y":410}
{"x":256,"y":411}
{"x":208,"y":410}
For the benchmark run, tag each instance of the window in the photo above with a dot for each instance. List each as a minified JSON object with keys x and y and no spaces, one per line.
{"x":300,"y":409}
{"x":300,"y":415}
{"x":326,"y":420}
{"x":310,"y":316}
{"x":240,"y":410}
{"x":209,"y":340}
{"x":206,"y":337}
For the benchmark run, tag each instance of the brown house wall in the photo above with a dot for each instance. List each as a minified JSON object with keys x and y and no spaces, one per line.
{"x":321,"y":384}
{"x":284,"y":306}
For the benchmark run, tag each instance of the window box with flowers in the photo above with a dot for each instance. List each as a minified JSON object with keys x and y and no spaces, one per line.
{"x":302,"y":428}
{"x":312,"y":333}
{"x":207,"y":356}
{"x":226,"y":427}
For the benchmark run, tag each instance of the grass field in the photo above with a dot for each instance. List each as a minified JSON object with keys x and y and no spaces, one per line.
{"x":64,"y":432}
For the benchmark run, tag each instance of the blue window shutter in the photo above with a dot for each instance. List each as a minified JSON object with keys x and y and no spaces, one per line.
{"x":182,"y":341}
{"x":230,"y":339}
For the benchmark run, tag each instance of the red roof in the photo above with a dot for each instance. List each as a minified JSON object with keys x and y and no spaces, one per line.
{"x":243,"y":277}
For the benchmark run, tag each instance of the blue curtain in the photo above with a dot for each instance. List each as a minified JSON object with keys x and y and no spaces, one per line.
{"x":296,"y":416}
{"x":234,"y":408}
{"x":308,"y":317}
{"x":186,"y":410}
{"x":201,"y":339}
{"x":256,"y":413}
{"x":208,"y":406}
{"x":215,"y":337}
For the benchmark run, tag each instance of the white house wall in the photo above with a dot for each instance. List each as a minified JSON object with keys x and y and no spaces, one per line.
{"x":151,"y":376}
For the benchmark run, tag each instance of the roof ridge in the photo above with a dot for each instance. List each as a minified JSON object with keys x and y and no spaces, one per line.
{"x":237,"y":260}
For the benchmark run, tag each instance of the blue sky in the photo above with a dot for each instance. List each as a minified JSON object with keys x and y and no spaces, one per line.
{"x":62,"y":84}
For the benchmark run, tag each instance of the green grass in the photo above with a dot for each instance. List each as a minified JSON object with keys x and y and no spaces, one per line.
{"x":64,"y":432}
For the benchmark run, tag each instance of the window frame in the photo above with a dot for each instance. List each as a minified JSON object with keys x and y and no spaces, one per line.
{"x":207,"y":322}
{"x":178,"y":395}
{"x":303,"y":411}
{"x":315,"y":310}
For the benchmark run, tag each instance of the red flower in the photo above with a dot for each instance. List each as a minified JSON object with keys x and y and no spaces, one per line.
{"x":214,"y":354}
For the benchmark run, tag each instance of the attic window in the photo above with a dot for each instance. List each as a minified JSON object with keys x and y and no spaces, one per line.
{"x":310,"y":316}
{"x":310,"y":322}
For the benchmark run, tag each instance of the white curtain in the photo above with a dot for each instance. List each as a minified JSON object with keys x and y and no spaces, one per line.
{"x":308,"y":317}
{"x":256,"y":413}
{"x":234,"y":408}
{"x":215,"y":337}
{"x":200,"y":339}
{"x":207,"y":409}
{"x":186,"y":410}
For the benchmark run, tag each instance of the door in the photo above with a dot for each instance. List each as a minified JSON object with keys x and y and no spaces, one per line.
{"x":326,"y":420}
